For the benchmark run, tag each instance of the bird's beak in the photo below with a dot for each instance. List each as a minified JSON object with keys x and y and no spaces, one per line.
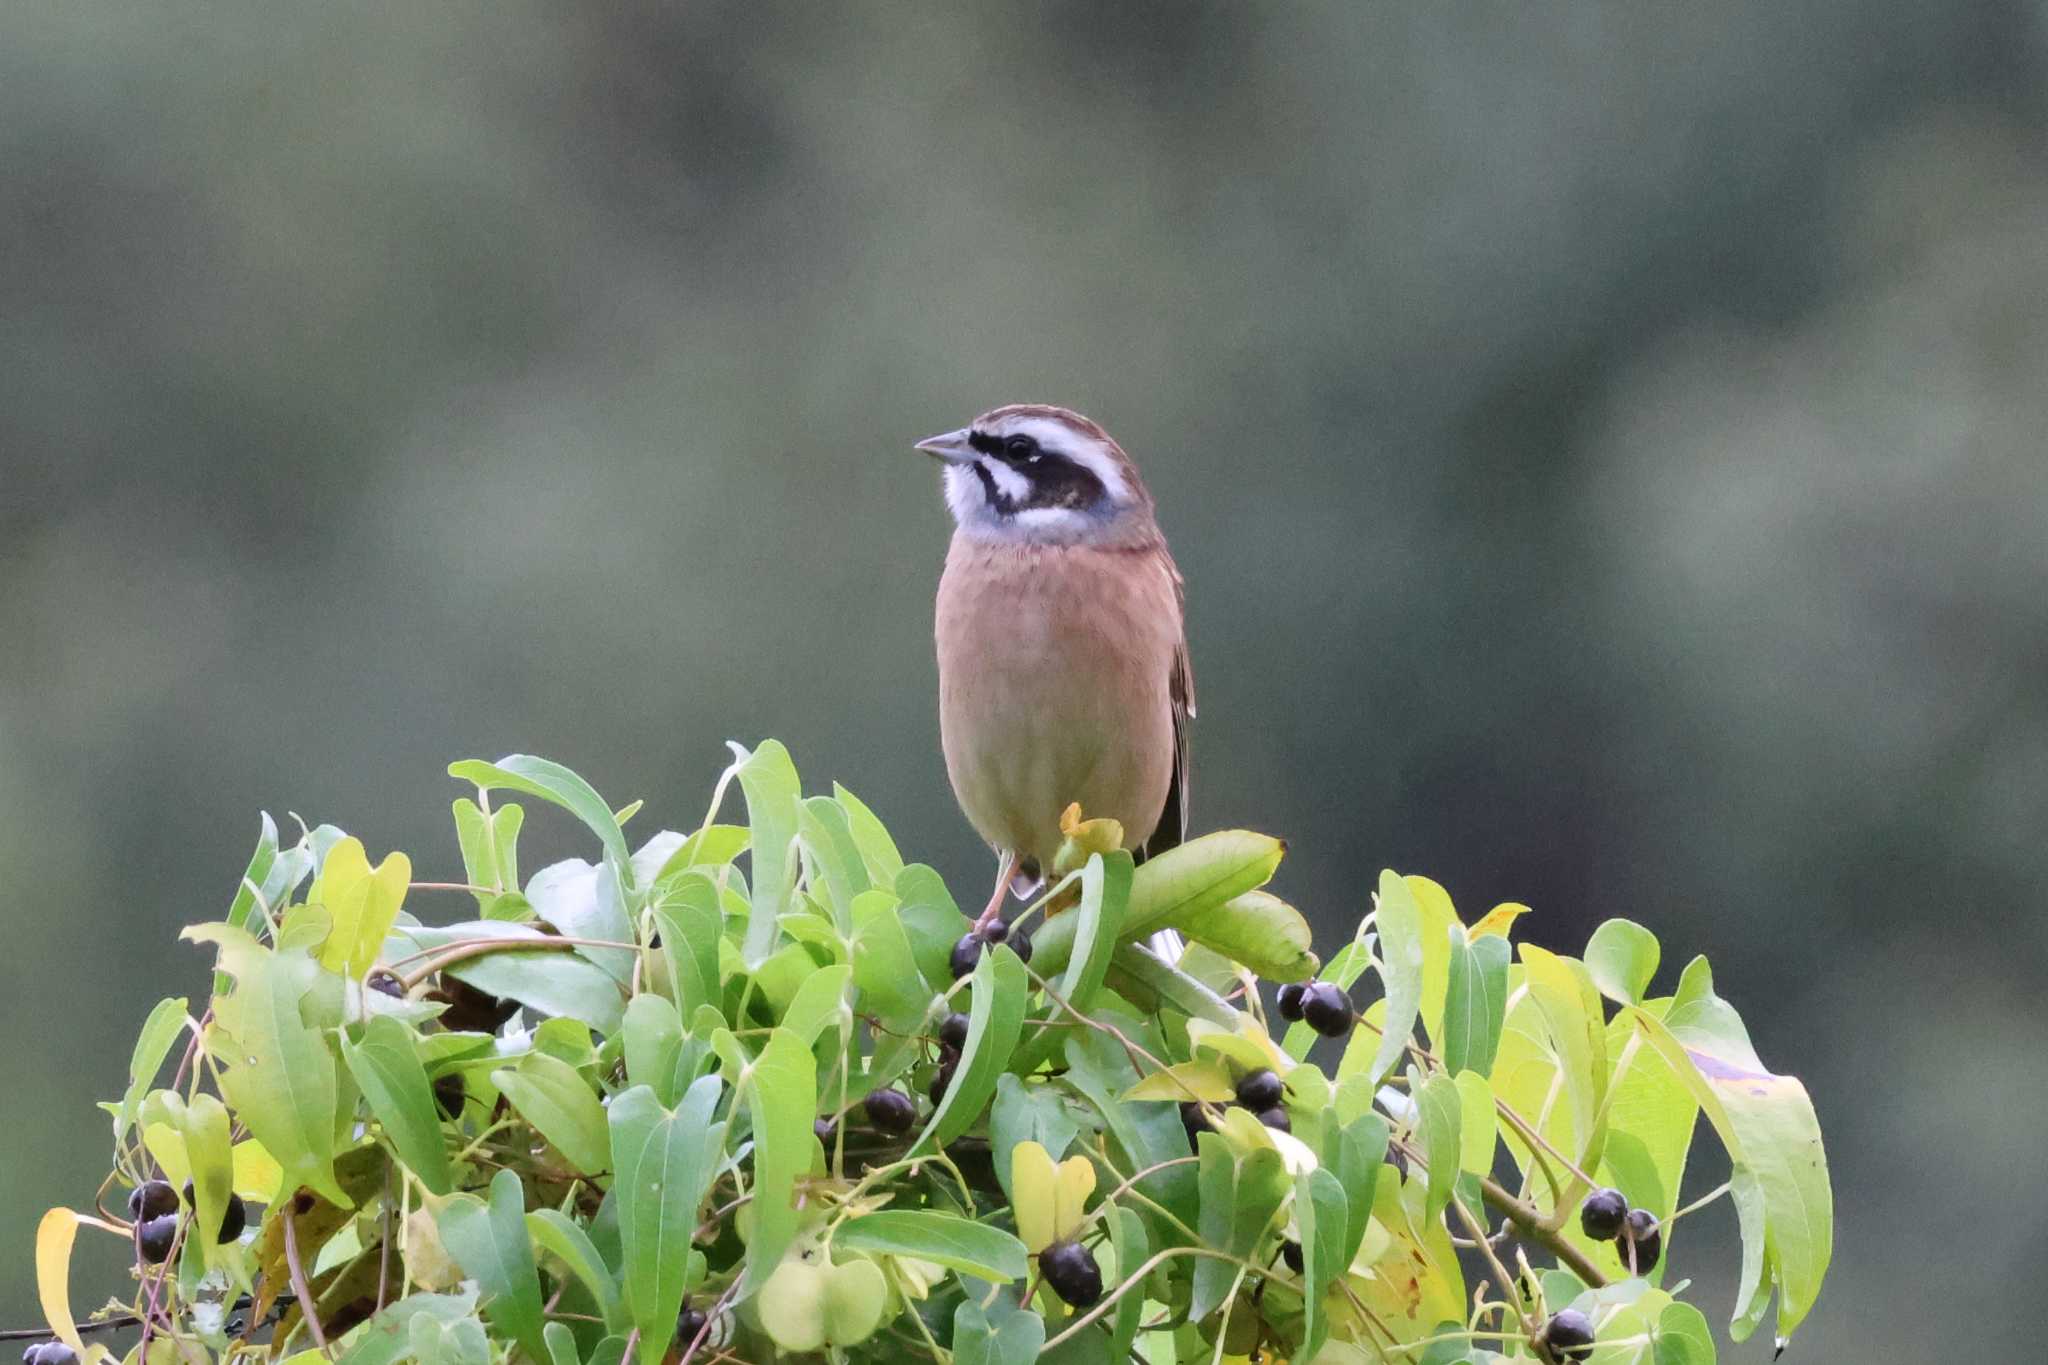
{"x":952,"y":447}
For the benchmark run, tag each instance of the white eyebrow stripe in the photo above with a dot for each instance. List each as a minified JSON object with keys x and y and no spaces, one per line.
{"x":1083,"y":450}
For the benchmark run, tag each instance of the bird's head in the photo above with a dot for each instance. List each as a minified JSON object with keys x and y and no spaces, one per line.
{"x":1035,"y":474}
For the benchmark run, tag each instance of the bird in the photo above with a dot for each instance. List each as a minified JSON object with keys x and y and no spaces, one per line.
{"x":1062,"y":645}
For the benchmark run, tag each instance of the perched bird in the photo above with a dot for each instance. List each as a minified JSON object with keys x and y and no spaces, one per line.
{"x":1063,"y":658}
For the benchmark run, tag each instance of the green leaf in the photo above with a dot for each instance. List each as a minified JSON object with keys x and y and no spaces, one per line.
{"x":884,"y":969}
{"x":386,"y":1065}
{"x":1400,"y":923}
{"x":550,"y":981}
{"x":822,"y":824}
{"x":1439,"y":1108}
{"x":209,"y":1151}
{"x":253,"y":884}
{"x":976,"y":1342}
{"x":386,"y":1338}
{"x":550,"y":782}
{"x":1185,"y":882}
{"x":1355,"y":1154}
{"x":769,"y":779}
{"x":872,"y":837}
{"x":688,"y":915}
{"x":1682,"y":1337}
{"x":1256,"y":929}
{"x":1241,"y":1191}
{"x":780,"y":1088}
{"x":994,"y":1020}
{"x":819,"y":1003}
{"x":166,"y":1020}
{"x":1439,"y":920}
{"x":553,"y":1097}
{"x":972,"y":1248}
{"x":1321,"y":1214}
{"x":1475,"y":1002}
{"x":1027,"y":1113}
{"x":276,"y":1067}
{"x":490,"y":848}
{"x":1622,"y":958}
{"x":1142,"y":978}
{"x":662,"y":1164}
{"x":654,"y":1047}
{"x":1105,"y":897}
{"x":1127,"y":1238}
{"x":561,"y":1344}
{"x":1768,"y":1126}
{"x":563,"y":1238}
{"x":583,"y":900}
{"x":930,"y":918}
{"x":489,"y":1242}
{"x":1144,"y":1134}
{"x":1570,"y":1007}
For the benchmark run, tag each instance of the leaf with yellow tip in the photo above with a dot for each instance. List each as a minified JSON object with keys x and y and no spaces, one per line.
{"x":1204,"y":1078}
{"x":1084,"y":838}
{"x":1034,"y":1181}
{"x":1500,"y":920}
{"x":1075,"y":1182}
{"x":362,"y":901}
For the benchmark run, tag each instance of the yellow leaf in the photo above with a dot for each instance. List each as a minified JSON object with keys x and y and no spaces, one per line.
{"x":1204,"y":1078}
{"x":1477,"y":1121}
{"x":1500,"y":920}
{"x":1070,"y":1196}
{"x":1033,"y":1184}
{"x":257,"y":1174}
{"x":54,"y":1236}
{"x":1083,"y":838}
{"x":363,"y":903}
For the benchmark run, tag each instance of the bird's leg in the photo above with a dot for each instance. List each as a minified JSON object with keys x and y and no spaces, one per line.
{"x":1006,"y":868}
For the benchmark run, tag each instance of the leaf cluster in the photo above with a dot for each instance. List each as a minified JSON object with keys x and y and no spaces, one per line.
{"x":639,"y":1107}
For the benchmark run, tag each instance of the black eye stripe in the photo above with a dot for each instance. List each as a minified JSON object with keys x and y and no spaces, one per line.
{"x":985,"y":443}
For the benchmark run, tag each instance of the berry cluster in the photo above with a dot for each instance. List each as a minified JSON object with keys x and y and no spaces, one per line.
{"x":1637,"y":1238}
{"x":967,"y":951}
{"x":153,"y":1208}
{"x":1323,"y":1005}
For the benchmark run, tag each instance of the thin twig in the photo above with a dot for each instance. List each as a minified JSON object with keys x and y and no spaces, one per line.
{"x":303,"y":1291}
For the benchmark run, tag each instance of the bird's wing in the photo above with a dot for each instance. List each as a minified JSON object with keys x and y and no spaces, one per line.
{"x":1173,"y":821}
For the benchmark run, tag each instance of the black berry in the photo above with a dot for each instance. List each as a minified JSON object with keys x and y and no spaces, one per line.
{"x":1194,"y":1119}
{"x":1071,"y":1271}
{"x":1640,"y":1242}
{"x":386,"y":983}
{"x":944,"y":1080}
{"x":1260,"y":1090}
{"x":689,"y":1323}
{"x":150,"y":1199}
{"x":448,"y":1093}
{"x":50,"y":1353}
{"x":1020,"y":944}
{"x":965,"y":954}
{"x":1569,"y":1335}
{"x":996,"y":930}
{"x":1600,"y":1217}
{"x":890,"y":1110}
{"x":1276,"y":1117}
{"x":471,"y":1010}
{"x":232,"y":1219}
{"x":823,"y":1129}
{"x":154,"y":1237}
{"x":1288,"y":1003}
{"x":1398,"y":1159}
{"x":1290,"y":1252}
{"x":953,"y":1031}
{"x":1328,"y":1010}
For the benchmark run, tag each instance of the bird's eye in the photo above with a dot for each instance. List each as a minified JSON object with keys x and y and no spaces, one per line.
{"x":1020,"y":448}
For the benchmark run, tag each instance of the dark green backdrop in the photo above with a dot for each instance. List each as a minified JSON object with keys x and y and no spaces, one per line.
{"x":1603,"y":443}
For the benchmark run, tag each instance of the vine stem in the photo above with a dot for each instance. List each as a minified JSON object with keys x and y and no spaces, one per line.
{"x":309,"y":1308}
{"x":1132,"y":1281}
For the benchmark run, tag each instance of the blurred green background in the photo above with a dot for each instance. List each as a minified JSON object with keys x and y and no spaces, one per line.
{"x":1603,"y":443}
